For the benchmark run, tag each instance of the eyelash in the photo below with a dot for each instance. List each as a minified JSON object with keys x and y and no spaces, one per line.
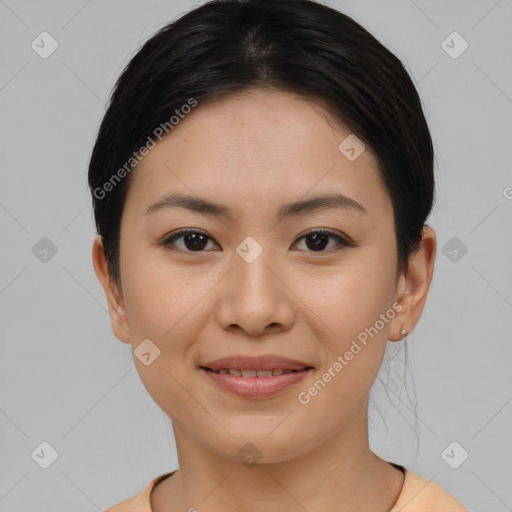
{"x":342,"y":242}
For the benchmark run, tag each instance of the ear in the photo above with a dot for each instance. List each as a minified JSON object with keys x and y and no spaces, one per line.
{"x":413,"y":286}
{"x":115,"y":300}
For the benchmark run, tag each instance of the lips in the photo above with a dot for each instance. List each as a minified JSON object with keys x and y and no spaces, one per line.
{"x":253,"y":373}
{"x":259,"y":377}
{"x":264,"y":363}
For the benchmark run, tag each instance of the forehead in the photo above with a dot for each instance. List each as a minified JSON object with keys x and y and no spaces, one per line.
{"x":257,"y":147}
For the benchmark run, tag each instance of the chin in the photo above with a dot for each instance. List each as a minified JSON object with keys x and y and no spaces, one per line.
{"x":252,"y":446}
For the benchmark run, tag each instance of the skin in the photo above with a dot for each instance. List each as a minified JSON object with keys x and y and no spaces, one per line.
{"x":255,"y":152}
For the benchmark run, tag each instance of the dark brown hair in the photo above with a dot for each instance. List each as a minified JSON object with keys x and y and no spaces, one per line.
{"x":226,"y":46}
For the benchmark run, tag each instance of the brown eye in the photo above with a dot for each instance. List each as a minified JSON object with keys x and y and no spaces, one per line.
{"x":318,"y":239}
{"x":193,"y":240}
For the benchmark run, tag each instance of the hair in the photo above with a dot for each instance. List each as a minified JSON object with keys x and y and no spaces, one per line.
{"x":300,"y":46}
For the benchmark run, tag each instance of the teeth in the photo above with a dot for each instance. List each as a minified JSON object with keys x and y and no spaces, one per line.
{"x":253,"y":373}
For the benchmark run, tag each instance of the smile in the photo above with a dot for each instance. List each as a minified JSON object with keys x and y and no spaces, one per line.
{"x":252,"y":373}
{"x":254,"y":384}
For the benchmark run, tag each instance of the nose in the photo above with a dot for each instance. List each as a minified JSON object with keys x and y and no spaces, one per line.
{"x":255,"y":298}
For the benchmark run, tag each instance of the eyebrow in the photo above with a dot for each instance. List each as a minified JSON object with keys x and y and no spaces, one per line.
{"x":299,"y":207}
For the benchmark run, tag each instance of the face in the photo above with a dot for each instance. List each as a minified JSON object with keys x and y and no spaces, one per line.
{"x":255,"y":278}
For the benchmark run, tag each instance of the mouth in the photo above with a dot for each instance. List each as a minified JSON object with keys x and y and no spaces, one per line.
{"x":248,"y":373}
{"x":255,"y":384}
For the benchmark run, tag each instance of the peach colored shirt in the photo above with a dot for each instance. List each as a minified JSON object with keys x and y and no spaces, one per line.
{"x":418,"y":495}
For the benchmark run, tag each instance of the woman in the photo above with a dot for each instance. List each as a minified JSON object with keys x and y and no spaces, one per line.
{"x":261,"y":182}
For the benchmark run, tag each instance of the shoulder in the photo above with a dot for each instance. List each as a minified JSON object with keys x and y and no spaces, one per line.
{"x":422,"y":495}
{"x":418,"y":495}
{"x":140,"y":502}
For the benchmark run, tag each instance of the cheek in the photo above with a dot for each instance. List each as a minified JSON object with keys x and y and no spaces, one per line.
{"x":163,"y":304}
{"x":354,"y":306}
{"x":351,"y":297}
{"x":161,"y":299}
{"x":353,"y":340}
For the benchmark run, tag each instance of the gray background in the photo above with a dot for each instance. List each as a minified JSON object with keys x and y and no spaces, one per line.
{"x":64,"y":377}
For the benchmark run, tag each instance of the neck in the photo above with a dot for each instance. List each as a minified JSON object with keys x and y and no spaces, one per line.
{"x":340,"y":474}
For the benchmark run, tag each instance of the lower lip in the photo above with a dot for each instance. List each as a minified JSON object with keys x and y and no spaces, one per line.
{"x":255,"y":387}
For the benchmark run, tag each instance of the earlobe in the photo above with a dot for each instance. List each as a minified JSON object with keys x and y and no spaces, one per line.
{"x":413,"y":286}
{"x":115,"y":302}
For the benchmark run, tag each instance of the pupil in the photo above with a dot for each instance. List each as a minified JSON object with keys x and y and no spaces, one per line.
{"x":195,"y":240}
{"x":318,"y":240}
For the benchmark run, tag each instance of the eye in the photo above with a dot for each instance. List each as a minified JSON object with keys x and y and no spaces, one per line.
{"x":196,"y":240}
{"x":318,"y":239}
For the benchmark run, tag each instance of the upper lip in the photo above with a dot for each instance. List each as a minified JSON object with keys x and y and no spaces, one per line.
{"x":263,"y":362}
